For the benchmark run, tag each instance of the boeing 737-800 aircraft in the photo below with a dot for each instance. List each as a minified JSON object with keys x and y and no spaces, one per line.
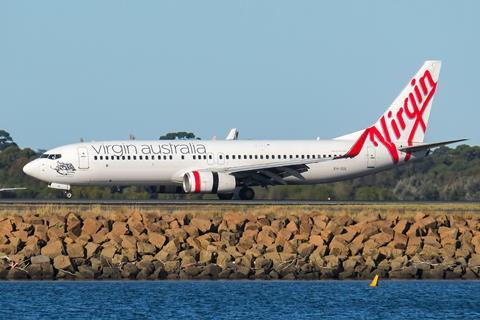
{"x":233,"y":166}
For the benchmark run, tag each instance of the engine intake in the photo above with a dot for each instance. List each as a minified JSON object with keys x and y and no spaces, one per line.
{"x":208,"y":182}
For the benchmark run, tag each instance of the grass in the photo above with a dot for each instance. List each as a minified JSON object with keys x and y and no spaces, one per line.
{"x":217,"y":211}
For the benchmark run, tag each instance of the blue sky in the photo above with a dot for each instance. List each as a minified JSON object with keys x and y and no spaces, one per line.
{"x":273,"y":69}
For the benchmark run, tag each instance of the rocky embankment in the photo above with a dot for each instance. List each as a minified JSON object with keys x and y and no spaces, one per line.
{"x":315,"y":245}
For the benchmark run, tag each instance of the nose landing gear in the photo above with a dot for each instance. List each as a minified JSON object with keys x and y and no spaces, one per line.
{"x":68,"y":194}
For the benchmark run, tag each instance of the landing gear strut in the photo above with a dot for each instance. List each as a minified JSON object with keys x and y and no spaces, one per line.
{"x":246,"y":193}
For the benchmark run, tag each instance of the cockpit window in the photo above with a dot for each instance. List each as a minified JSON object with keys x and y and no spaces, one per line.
{"x":51,"y":156}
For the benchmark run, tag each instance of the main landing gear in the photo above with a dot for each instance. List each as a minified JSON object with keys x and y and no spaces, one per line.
{"x":243,"y":193}
{"x":246,"y":193}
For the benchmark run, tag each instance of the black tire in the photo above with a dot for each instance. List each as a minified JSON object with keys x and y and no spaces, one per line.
{"x":246,"y":194}
{"x":68,"y":195}
{"x":225,"y":196}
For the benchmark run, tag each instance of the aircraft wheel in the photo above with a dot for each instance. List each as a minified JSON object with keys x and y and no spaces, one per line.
{"x":68,"y":194}
{"x":246,"y":194}
{"x":225,"y":196}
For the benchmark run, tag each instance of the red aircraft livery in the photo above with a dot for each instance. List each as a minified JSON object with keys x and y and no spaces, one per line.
{"x":401,"y":121}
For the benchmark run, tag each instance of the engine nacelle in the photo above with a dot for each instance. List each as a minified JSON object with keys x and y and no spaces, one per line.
{"x":208,"y":182}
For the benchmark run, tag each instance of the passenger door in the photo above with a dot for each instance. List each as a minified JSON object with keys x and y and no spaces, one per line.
{"x":83,"y":158}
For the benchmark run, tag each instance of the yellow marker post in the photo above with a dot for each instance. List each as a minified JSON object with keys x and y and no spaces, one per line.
{"x":374,"y":282}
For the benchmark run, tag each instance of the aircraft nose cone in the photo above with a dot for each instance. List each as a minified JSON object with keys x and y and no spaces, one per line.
{"x":29,"y":168}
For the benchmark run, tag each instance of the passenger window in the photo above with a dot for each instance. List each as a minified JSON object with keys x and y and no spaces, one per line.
{"x":183,"y":157}
{"x":220,"y":157}
{"x":101,"y":157}
{"x":308,"y":156}
{"x":106,"y":157}
{"x":284,"y":156}
{"x":303,"y":156}
{"x":146,"y":157}
{"x":250,"y":156}
{"x":273,"y":156}
{"x":256,"y":157}
{"x":134,"y":157}
{"x":129,"y":158}
{"x":164,"y":157}
{"x":296,"y":156}
{"x":291,"y":156}
{"x":266,"y":157}
{"x":123,"y":157}
{"x":140,"y":157}
{"x":194,"y":157}
{"x":261,"y":156}
{"x":210,"y":157}
{"x":94,"y":158}
{"x":204,"y":157}
{"x":171,"y":157}
{"x":226,"y":157}
{"x":233,"y":157}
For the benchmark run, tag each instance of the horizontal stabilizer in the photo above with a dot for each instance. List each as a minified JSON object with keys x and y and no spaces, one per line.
{"x":428,"y":146}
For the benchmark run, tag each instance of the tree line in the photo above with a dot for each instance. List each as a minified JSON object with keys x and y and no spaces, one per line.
{"x":448,"y":174}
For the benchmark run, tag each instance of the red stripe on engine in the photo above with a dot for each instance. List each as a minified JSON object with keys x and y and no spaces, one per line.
{"x":196,"y":175}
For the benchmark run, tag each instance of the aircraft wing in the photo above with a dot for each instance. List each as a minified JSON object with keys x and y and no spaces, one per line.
{"x":272,"y":173}
{"x":11,"y":189}
{"x":427,"y":146}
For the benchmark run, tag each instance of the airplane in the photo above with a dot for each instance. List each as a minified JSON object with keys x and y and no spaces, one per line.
{"x":232,"y":167}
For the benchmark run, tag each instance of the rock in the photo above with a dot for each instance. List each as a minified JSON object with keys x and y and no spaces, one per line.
{"x":119,"y":228}
{"x":145,"y":248}
{"x":75,"y":250}
{"x":203,"y":225}
{"x":128,"y":242}
{"x":234,"y":221}
{"x":74,"y":225}
{"x":382,"y":238}
{"x":86,"y":273}
{"x":90,"y":226}
{"x":108,"y":251}
{"x":316,"y":240}
{"x":157,"y":239}
{"x":305,"y":249}
{"x":223,"y":259}
{"x":100,"y":237}
{"x":172,"y":266}
{"x":53,"y":249}
{"x":205,"y":257}
{"x":41,"y":259}
{"x":265,"y":238}
{"x":62,"y":262}
{"x":91,"y":249}
{"x":211,"y":270}
{"x":401,"y":227}
{"x":111,"y":273}
{"x":283,"y":235}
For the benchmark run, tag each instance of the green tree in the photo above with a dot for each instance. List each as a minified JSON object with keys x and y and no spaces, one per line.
{"x":5,"y":140}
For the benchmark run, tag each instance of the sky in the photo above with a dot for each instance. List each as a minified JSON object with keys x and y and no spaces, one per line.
{"x":102,"y":70}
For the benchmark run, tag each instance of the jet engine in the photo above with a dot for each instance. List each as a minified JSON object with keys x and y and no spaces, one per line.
{"x":208,"y":182}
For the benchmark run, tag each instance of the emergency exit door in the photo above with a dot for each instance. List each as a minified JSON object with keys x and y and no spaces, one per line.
{"x":371,"y":157}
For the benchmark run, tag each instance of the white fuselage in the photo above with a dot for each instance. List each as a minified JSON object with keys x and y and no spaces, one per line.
{"x":164,"y":163}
